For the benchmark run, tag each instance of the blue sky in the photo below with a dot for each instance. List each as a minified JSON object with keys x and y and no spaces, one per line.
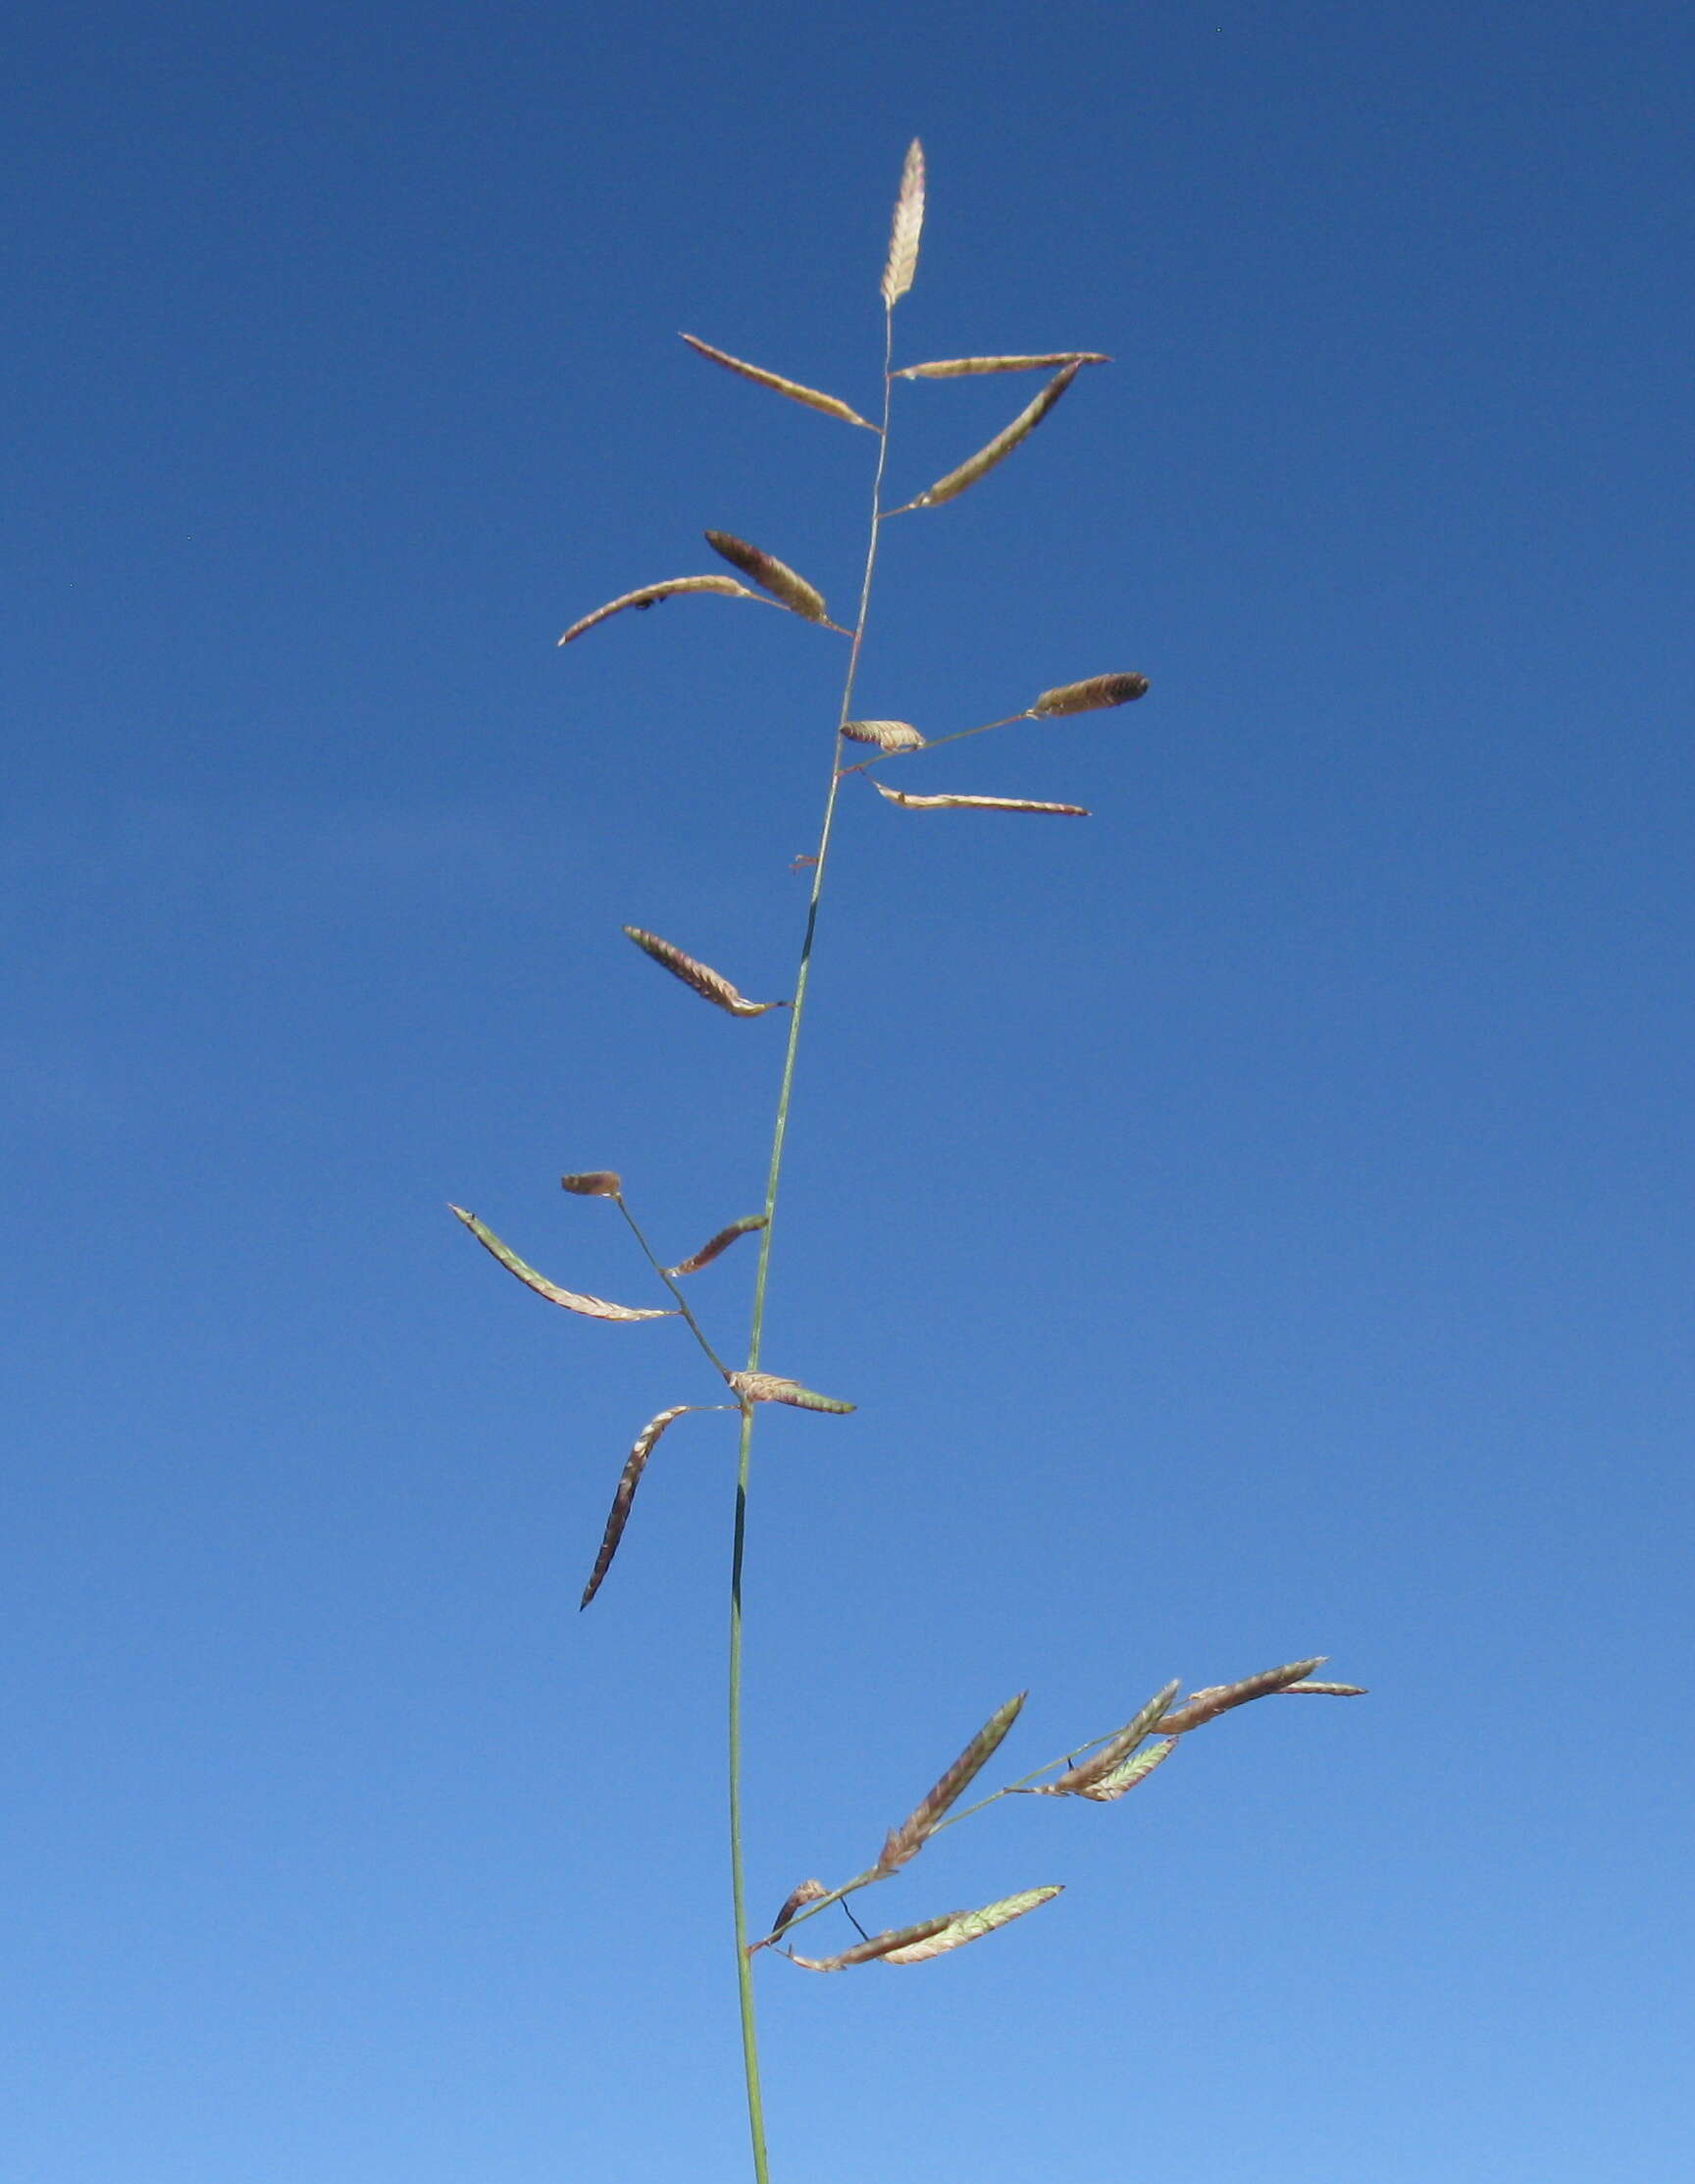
{"x":1252,"y":1222}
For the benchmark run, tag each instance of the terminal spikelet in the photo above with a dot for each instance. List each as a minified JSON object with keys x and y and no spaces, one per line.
{"x":908,"y":226}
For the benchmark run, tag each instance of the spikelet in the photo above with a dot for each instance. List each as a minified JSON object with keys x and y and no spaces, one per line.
{"x":628,"y":1480}
{"x":1114,"y":1750}
{"x":771,"y":1387}
{"x":594,"y":1182}
{"x":908,"y":226}
{"x":1305,"y":1688}
{"x":909,"y":1838}
{"x":593,"y":1308}
{"x":967,"y":367}
{"x":796,"y":1900}
{"x":651,"y":594}
{"x":887,"y":735}
{"x":706,"y":982}
{"x":866,"y":1952}
{"x":1089,"y":696}
{"x":778,"y":384}
{"x":1219,"y":1698}
{"x":715,"y":1245}
{"x":1128,"y":1773}
{"x":777,"y":578}
{"x":970,"y":1926}
{"x":997,"y":449}
{"x":977,"y":804}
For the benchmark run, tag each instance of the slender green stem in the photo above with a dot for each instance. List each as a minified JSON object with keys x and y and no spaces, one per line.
{"x":935,"y":743}
{"x":689,"y":1319}
{"x":757,"y":1327}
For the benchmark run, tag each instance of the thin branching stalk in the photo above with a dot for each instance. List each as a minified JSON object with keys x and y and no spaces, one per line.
{"x":756,"y":1325}
{"x":1109,"y":1766}
{"x":664,"y":1273}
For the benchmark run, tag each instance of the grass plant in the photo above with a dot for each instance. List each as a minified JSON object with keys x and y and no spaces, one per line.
{"x":1110,"y":1765}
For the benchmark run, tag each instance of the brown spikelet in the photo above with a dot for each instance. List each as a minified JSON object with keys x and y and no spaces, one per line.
{"x":1309,"y":1689}
{"x":970,"y":1926}
{"x":909,"y":1838}
{"x":977,"y":804}
{"x":628,"y":1480}
{"x":594,"y":1182}
{"x":715,"y":1246}
{"x":908,"y":226}
{"x":967,"y":367}
{"x":771,"y":1387}
{"x":778,"y":384}
{"x":796,"y":1900}
{"x":887,"y":735}
{"x":866,"y":1952}
{"x":1114,"y":1750}
{"x":651,"y":594}
{"x":593,"y":1308}
{"x":1128,"y":1773}
{"x":1219,"y":1698}
{"x":706,"y":982}
{"x":781,"y":581}
{"x":1089,"y":697}
{"x":997,"y":449}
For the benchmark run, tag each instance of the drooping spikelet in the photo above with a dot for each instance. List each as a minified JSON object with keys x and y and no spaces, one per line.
{"x":593,"y":1308}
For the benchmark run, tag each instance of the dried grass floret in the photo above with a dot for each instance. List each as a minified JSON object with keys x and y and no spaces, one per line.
{"x":909,"y":1838}
{"x":977,"y":804}
{"x":1114,"y":1750}
{"x":709,"y":984}
{"x":879,"y":1945}
{"x":808,"y":1891}
{"x":771,"y":1387}
{"x":1128,"y":1773}
{"x":809,"y":396}
{"x":1089,"y":696}
{"x":906,"y":228}
{"x":970,"y":1926}
{"x":591,"y":1308}
{"x":1219,"y":1698}
{"x":628,"y":1480}
{"x":777,"y":577}
{"x":887,"y":735}
{"x":997,"y":449}
{"x":968,"y":366}
{"x":594,"y":1182}
{"x":650,"y":595}
{"x":715,"y":1246}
